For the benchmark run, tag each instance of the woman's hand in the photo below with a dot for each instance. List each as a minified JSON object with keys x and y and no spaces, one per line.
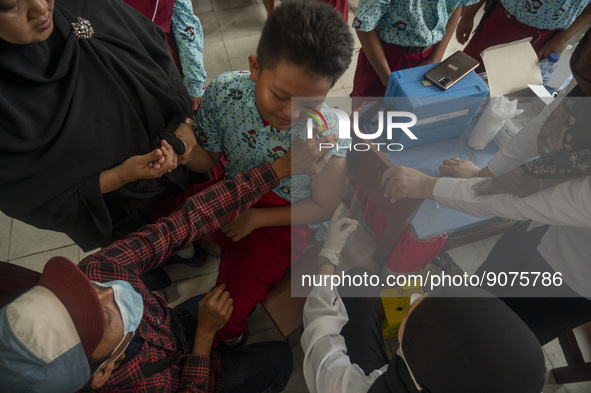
{"x":152,"y":165}
{"x":242,"y":226}
{"x":402,"y":182}
{"x":454,"y":167}
{"x":186,"y":134}
{"x":147,"y":166}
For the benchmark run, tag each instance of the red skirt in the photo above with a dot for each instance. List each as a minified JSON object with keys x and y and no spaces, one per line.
{"x":499,"y":28}
{"x":253,"y":265}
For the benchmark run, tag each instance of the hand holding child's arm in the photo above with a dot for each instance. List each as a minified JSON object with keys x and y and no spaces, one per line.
{"x":148,"y":166}
{"x":327,"y":189}
{"x":403,"y":182}
{"x":337,"y":233}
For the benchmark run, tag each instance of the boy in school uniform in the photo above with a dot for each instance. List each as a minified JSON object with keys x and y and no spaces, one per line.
{"x":400,"y":34}
{"x":247,"y":117}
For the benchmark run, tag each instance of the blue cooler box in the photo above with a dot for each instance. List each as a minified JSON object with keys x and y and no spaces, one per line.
{"x":441,"y":114}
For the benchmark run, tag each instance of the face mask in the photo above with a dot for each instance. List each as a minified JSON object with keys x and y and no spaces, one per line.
{"x":130,"y":303}
{"x":401,"y":355}
{"x":413,"y":299}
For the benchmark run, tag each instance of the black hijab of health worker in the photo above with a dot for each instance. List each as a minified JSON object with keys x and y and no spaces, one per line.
{"x":81,"y":102}
{"x":462,"y":340}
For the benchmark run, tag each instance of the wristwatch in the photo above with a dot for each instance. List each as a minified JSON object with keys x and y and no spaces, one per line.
{"x":191,"y":121}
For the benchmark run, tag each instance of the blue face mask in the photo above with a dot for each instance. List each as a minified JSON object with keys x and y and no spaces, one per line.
{"x":130,"y":303}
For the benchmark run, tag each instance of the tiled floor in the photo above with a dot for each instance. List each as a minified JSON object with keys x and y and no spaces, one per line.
{"x":232,"y":29}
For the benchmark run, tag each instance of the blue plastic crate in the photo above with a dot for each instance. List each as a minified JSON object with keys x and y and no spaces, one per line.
{"x":441,"y":114}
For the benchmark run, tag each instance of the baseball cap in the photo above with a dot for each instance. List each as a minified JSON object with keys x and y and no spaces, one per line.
{"x":48,"y":332}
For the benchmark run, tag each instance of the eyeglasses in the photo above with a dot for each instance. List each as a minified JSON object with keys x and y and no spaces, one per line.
{"x":117,"y":348}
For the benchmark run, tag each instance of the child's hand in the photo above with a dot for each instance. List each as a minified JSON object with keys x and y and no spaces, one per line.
{"x":242,"y":226}
{"x":151,"y":165}
{"x":555,"y":44}
{"x":214,"y":310}
{"x":459,"y":168}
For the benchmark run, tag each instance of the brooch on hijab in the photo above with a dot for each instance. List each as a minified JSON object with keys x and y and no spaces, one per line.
{"x":83,"y":29}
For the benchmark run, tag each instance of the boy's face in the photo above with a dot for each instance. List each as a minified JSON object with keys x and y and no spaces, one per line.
{"x":275,"y":87}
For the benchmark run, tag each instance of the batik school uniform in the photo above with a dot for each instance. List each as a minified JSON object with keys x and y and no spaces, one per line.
{"x":229,"y":122}
{"x":188,"y":35}
{"x":408,"y":31}
{"x":512,"y":20}
{"x":184,"y":35}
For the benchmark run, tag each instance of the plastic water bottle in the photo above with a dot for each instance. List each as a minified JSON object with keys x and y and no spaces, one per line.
{"x":548,"y":66}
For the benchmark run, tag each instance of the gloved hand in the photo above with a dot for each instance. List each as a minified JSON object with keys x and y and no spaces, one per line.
{"x":337,"y":233}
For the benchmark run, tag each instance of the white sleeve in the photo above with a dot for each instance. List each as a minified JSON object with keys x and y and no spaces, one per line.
{"x":566,"y":204}
{"x":523,"y":147}
{"x":327,"y":368}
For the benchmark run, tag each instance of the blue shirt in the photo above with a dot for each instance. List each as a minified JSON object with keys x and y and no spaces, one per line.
{"x":546,"y":14}
{"x":409,"y":23}
{"x":230,"y":122}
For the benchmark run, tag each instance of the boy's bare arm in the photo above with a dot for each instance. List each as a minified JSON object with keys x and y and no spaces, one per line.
{"x":327,"y":193}
{"x":327,"y":190}
{"x":437,"y":54}
{"x":202,"y":160}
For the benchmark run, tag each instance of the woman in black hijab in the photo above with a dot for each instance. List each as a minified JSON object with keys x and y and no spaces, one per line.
{"x":88,"y":93}
{"x":452,"y":340}
{"x":461,"y":340}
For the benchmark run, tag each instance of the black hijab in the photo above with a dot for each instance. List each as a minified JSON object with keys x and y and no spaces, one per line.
{"x":462,"y":340}
{"x":72,"y":107}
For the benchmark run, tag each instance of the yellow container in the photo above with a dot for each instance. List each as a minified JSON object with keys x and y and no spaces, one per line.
{"x":395,"y":304}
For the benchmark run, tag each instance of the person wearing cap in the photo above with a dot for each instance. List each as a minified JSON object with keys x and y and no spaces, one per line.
{"x":451,"y":340}
{"x":97,"y":326}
